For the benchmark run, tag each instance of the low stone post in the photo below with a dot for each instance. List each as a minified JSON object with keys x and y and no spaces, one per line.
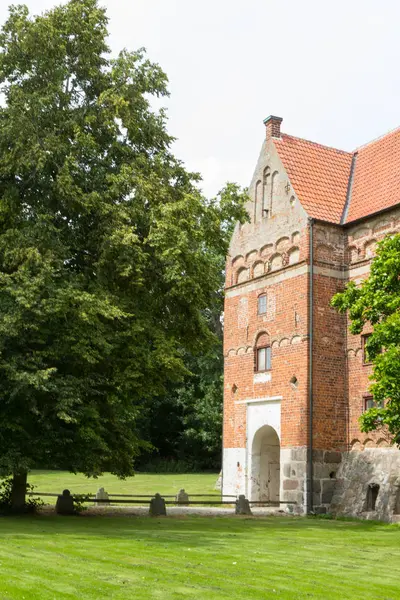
{"x":103,"y":496}
{"x":65,"y":504}
{"x":242,"y":506}
{"x":182,"y":498}
{"x":218,"y":484}
{"x":157,"y":506}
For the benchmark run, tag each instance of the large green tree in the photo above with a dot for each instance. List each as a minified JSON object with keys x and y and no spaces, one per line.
{"x":106,"y":272}
{"x":193,"y":408}
{"x":376,"y":302}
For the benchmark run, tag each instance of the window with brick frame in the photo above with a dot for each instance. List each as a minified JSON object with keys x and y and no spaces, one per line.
{"x":365,"y":357}
{"x":368,"y":402}
{"x":262,"y":304}
{"x":262,"y":353}
{"x":263,"y":359}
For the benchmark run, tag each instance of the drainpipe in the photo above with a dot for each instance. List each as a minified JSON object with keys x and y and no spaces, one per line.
{"x":310,"y":474}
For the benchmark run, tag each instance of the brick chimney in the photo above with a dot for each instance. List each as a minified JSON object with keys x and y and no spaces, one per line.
{"x":273,"y":126}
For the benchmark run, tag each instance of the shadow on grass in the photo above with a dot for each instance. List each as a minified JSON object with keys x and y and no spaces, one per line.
{"x":205,"y":530}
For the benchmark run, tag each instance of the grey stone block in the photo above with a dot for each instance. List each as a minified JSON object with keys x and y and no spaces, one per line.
{"x":290,"y":496}
{"x":290,"y":484}
{"x":65,"y":504}
{"x":182,"y":498}
{"x":286,"y":470}
{"x":318,"y":456}
{"x":102,"y":496}
{"x":328,"y":487}
{"x":316,"y":499}
{"x":299,"y":454}
{"x":332,"y":457}
{"x":322,"y":471}
{"x":157,"y":506}
{"x":242,"y":506}
{"x":317,"y":485}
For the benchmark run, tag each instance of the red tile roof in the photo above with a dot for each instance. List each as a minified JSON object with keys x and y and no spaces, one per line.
{"x":320,"y":176}
{"x":376,"y":180}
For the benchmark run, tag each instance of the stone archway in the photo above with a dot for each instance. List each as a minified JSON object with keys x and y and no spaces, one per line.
{"x":265,"y":465}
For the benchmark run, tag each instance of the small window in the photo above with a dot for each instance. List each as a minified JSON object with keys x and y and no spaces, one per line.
{"x":368,"y":402}
{"x":372,"y":495}
{"x":263,"y":359}
{"x":262,"y":304}
{"x":365,"y":355}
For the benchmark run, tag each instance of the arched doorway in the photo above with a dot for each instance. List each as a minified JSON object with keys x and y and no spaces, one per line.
{"x":265,"y":465}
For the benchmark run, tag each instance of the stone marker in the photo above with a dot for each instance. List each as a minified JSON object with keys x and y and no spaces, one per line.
{"x":103,"y":496}
{"x":218,"y":483}
{"x":157,"y":506}
{"x":242,"y":506}
{"x":182,"y":498}
{"x":65,"y":504}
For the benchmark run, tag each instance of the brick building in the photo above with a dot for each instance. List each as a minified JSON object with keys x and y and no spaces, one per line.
{"x":296,"y":380}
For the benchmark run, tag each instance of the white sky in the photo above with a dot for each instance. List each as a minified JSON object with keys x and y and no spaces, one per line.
{"x":330,"y":69}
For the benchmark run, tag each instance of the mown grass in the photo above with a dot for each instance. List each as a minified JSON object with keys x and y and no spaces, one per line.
{"x":141,"y":483}
{"x":49,"y":557}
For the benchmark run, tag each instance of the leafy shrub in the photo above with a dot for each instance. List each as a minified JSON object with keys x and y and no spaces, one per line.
{"x":79,"y":500}
{"x":31,"y":504}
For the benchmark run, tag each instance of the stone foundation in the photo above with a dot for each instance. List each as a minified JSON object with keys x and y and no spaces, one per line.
{"x":326,"y":466}
{"x":294,"y":478}
{"x":357,"y":494}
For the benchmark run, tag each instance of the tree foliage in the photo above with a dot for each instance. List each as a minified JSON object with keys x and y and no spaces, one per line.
{"x":107,"y":248}
{"x":377,"y":302}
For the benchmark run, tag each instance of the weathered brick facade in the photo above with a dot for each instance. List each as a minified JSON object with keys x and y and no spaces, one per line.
{"x":267,"y":426}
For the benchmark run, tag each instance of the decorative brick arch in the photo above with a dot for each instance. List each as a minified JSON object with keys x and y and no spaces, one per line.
{"x":242,"y":275}
{"x":294,"y":255}
{"x":370,"y":248}
{"x":276,"y":262}
{"x":262,"y":338}
{"x":282,"y":243}
{"x":324,"y":252}
{"x":267,"y":249}
{"x":258,"y":268}
{"x":239,"y":259}
{"x":352,"y":253}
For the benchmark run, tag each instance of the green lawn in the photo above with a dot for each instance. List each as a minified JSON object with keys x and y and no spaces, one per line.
{"x":142,"y":483}
{"x":50,"y":558}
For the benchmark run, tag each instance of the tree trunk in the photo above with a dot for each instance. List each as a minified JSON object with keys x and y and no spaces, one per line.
{"x":18,"y":493}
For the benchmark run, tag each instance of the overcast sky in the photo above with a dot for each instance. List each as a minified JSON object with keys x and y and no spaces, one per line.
{"x":330,"y":69}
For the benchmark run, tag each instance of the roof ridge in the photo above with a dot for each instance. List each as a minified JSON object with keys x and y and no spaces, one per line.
{"x":380,"y":137}
{"x":316,"y":144}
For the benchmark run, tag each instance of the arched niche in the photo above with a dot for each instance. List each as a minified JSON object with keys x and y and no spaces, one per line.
{"x":258,"y":269}
{"x":242,"y":275}
{"x":370,"y":249}
{"x":276,"y":262}
{"x":294,"y":255}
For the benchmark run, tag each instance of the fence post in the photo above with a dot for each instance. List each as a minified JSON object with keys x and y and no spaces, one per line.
{"x":102,"y":495}
{"x":182,"y":498}
{"x":157,"y":506}
{"x":242,"y":506}
{"x":65,"y":504}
